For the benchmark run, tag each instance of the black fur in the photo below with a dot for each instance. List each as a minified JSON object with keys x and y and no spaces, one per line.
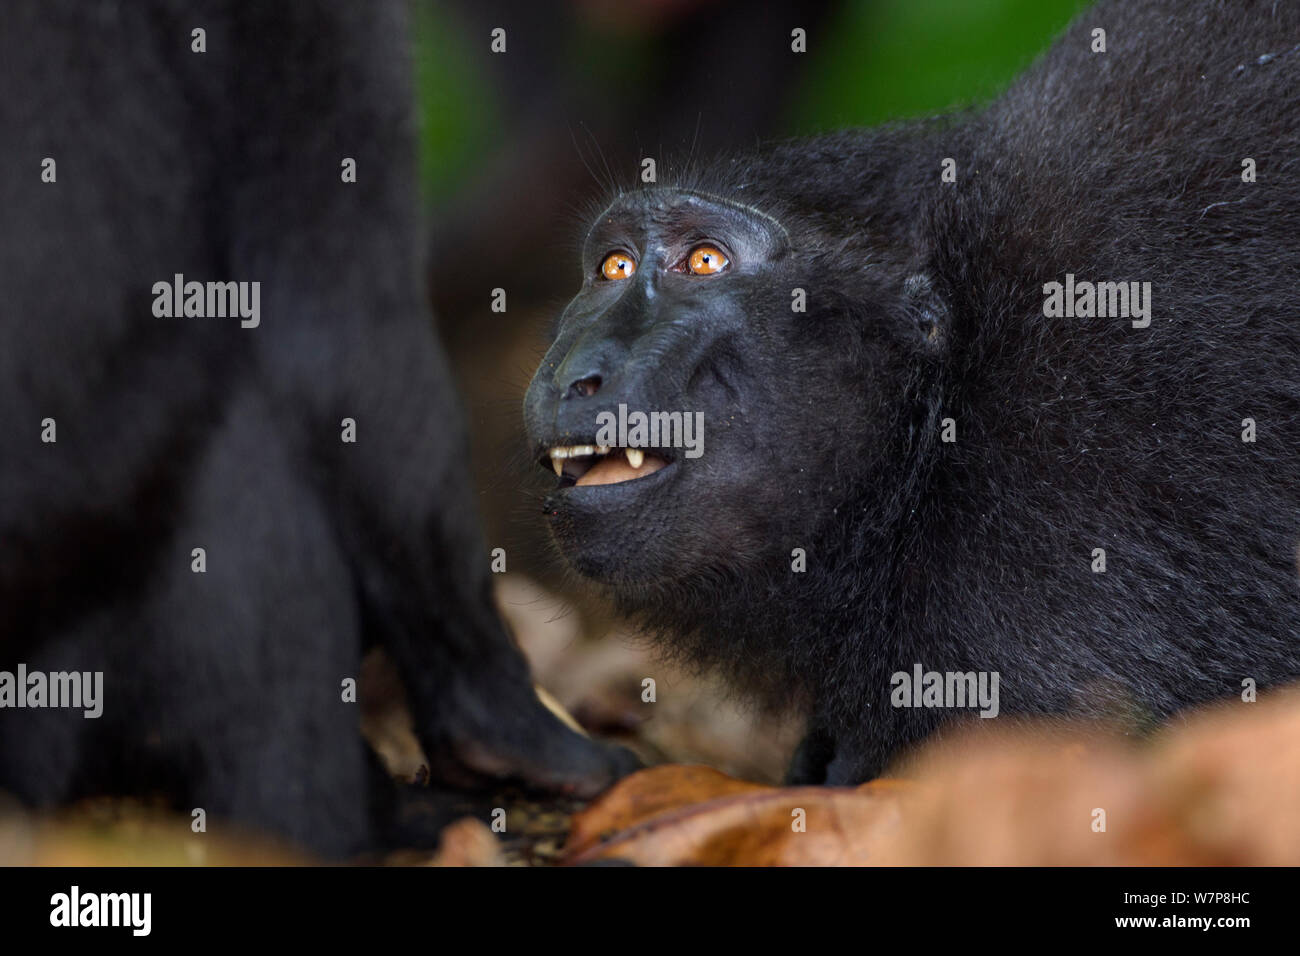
{"x":225,"y":687}
{"x":925,"y":302}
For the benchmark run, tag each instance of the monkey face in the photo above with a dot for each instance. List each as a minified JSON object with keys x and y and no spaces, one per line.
{"x":683,"y":405}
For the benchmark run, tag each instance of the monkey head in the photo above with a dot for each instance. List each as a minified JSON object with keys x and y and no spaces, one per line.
{"x":793,"y":339}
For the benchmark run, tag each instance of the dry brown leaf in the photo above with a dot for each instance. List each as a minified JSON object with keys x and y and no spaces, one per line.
{"x":673,"y":815}
{"x":1219,"y":789}
{"x":1020,"y":799}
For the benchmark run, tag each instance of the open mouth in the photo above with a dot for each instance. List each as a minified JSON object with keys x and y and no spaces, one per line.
{"x":602,"y":464}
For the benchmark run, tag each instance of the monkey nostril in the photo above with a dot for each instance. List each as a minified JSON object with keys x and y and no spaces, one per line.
{"x":584,"y":387}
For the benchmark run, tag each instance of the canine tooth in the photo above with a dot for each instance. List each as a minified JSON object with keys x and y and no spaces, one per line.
{"x":602,"y":449}
{"x":635,"y":457}
{"x":558,"y":464}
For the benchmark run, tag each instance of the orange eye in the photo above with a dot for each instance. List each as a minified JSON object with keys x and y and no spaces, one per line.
{"x":617,"y":266}
{"x":706,"y":260}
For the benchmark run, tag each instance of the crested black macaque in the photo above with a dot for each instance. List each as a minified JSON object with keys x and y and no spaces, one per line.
{"x":919,"y":458}
{"x":214,"y":497}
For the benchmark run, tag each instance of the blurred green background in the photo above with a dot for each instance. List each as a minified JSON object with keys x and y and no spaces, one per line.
{"x":869,"y":61}
{"x":950,"y":52}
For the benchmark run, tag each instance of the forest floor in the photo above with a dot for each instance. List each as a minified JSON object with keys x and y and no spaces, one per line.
{"x":1217,"y":787}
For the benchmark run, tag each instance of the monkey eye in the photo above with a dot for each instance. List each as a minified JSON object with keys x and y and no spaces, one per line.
{"x":706,"y":260}
{"x":617,"y":265}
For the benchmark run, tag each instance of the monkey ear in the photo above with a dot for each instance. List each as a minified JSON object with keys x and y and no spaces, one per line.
{"x":927,"y":310}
